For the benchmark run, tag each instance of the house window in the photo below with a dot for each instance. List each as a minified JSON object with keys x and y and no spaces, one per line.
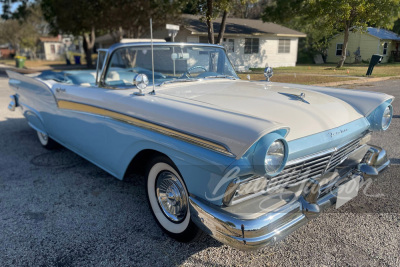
{"x":284,"y":46}
{"x":251,"y":45}
{"x":339,"y":49}
{"x":385,"y":47}
{"x":203,"y":39}
{"x":53,"y":49}
{"x":229,"y":45}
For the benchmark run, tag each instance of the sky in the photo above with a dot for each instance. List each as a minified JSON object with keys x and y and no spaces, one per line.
{"x":13,"y":7}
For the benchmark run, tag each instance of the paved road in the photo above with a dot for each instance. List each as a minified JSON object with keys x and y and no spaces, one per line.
{"x":58,"y":209}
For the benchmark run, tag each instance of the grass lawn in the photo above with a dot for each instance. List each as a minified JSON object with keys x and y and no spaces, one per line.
{"x":298,"y":79}
{"x":380,"y":70}
{"x":35,"y":64}
{"x":45,"y":64}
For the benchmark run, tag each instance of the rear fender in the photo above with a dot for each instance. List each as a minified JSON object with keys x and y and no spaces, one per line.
{"x":34,"y":119}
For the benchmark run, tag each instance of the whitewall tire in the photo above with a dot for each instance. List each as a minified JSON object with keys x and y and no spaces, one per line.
{"x":46,"y":141}
{"x":169,"y":200}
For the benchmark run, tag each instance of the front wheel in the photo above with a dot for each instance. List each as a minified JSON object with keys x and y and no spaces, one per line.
{"x":169,"y":201}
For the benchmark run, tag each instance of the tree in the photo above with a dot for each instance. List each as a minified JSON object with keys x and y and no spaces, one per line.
{"x":396,"y":26}
{"x":23,"y":29}
{"x":8,"y":9}
{"x":210,"y":10}
{"x":136,"y":14}
{"x":78,"y":18}
{"x":128,"y":18}
{"x":333,"y":16}
{"x":249,"y":10}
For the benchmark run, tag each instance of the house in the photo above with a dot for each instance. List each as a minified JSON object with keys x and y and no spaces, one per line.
{"x":51,"y":48}
{"x":249,"y":43}
{"x":362,"y":45}
{"x":55,"y":48}
{"x":6,"y":51}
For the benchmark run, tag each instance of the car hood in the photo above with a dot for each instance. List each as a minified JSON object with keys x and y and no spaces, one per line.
{"x":313,"y":113}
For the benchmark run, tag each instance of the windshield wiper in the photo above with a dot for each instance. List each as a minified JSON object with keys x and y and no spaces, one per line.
{"x":222,"y":76}
{"x":178,"y":81}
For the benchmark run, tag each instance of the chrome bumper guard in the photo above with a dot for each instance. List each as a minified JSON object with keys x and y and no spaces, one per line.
{"x":13,"y":103}
{"x":251,"y":234}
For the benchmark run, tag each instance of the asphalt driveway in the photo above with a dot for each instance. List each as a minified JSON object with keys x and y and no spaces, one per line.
{"x":57,"y":209}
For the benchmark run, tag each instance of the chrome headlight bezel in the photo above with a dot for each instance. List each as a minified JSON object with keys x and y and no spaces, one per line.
{"x":266,"y":146}
{"x":381,"y":117}
{"x":387,"y":117}
{"x":274,"y":157}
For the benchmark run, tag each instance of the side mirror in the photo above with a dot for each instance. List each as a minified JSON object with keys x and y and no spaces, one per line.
{"x":141,"y":81}
{"x":268,"y":72}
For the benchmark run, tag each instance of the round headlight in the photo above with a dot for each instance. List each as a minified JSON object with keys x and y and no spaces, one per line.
{"x":274,"y":157}
{"x":387,"y":117}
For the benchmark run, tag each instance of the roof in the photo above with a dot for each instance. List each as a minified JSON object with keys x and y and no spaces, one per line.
{"x":49,"y":39}
{"x":236,"y":26}
{"x":383,"y":34}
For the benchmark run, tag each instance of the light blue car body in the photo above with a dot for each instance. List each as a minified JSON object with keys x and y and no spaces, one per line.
{"x":112,"y":144}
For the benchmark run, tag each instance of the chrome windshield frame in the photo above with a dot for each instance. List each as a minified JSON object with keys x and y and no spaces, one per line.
{"x":98,"y":69}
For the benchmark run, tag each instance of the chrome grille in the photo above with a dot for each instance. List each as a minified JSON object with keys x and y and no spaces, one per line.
{"x":313,"y":166}
{"x":342,"y":154}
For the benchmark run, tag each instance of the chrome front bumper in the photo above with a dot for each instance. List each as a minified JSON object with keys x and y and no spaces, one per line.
{"x":251,"y":234}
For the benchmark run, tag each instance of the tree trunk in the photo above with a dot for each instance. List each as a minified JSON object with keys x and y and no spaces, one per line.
{"x":117,"y":35}
{"x":88,"y":45}
{"x":210,"y":25}
{"x":344,"y":48}
{"x":222,"y":28}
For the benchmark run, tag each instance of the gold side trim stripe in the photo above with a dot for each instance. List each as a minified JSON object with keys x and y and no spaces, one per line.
{"x":63,"y":104}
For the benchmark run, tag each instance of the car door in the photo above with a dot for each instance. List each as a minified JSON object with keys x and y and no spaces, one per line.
{"x":76,"y":126}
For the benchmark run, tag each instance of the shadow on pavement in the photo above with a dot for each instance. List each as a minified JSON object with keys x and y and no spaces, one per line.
{"x":59,"y":209}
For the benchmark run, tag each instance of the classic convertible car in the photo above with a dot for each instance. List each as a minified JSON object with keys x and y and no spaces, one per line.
{"x":247,"y":162}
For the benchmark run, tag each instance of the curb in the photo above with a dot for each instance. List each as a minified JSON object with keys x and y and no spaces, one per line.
{"x":360,"y":81}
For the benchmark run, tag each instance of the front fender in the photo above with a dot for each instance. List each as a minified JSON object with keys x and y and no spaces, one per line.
{"x":201,"y":169}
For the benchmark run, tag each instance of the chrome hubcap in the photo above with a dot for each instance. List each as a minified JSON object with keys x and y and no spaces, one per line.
{"x":44,"y":137}
{"x":171,"y":196}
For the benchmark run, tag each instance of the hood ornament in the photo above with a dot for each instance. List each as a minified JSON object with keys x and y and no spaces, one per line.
{"x":300,"y":97}
{"x":268,"y":72}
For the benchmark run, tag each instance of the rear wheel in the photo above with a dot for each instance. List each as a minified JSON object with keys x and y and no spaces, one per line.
{"x":46,"y":141}
{"x":169,"y":201}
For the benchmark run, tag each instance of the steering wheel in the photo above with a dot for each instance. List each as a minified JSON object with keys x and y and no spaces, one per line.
{"x":188,"y":74}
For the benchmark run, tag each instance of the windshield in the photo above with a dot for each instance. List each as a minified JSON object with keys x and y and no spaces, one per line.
{"x":172,"y":63}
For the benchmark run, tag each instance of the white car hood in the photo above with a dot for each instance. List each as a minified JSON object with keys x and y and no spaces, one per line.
{"x":276,"y":103}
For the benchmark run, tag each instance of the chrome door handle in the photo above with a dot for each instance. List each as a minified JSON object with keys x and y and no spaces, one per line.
{"x":60,"y":90}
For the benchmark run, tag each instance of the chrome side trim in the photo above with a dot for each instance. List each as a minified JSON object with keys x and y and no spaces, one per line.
{"x":189,"y":138}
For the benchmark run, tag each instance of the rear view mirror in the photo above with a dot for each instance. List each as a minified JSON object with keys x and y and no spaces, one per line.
{"x":180,"y":56}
